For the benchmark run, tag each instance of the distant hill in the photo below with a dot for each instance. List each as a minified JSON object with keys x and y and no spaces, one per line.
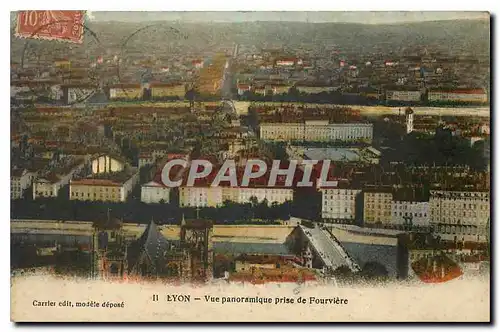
{"x":468,"y":36}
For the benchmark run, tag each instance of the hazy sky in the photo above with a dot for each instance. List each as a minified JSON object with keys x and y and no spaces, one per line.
{"x":347,"y":17}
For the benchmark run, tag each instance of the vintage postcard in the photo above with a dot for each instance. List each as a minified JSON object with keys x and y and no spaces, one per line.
{"x":250,"y":166}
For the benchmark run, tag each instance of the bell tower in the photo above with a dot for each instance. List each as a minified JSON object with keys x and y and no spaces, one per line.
{"x":196,"y":239}
{"x":109,"y":251}
{"x":409,"y":120}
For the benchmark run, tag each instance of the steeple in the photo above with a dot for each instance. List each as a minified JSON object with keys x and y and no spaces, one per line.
{"x":183,"y":221}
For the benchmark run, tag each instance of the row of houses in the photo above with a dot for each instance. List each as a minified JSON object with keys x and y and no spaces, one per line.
{"x":155,"y":90}
{"x":439,"y":95}
{"x":458,"y":213}
{"x":401,"y":94}
{"x":97,"y":178}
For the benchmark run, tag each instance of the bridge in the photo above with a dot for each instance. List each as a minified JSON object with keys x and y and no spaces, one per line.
{"x":328,"y":248}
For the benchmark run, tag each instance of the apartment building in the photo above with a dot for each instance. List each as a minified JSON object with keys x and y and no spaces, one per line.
{"x":460,"y":215}
{"x":115,"y":188}
{"x":215,"y":196}
{"x":126,"y":91}
{"x":155,"y":192}
{"x":339,"y":205}
{"x":20,"y":180}
{"x":409,"y":211}
{"x":166,"y":90}
{"x":403,"y":95}
{"x":145,"y":159}
{"x":49,"y":183}
{"x":459,"y":95}
{"x":377,"y":207}
{"x":317,"y":131}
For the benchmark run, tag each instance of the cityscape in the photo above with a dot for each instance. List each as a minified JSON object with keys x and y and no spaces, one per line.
{"x":388,"y":125}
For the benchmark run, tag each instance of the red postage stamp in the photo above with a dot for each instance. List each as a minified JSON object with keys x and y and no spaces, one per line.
{"x":62,"y":25}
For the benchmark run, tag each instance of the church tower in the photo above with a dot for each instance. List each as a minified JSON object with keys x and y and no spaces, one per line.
{"x":196,"y":239}
{"x":409,"y":120}
{"x":109,"y":251}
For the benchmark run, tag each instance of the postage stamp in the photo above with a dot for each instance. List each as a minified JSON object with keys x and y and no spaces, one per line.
{"x":62,"y":25}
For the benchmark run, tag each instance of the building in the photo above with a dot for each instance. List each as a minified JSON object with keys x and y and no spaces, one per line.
{"x":202,"y":194}
{"x":403,"y":95}
{"x":198,"y":63}
{"x":313,"y":88}
{"x":244,"y":195}
{"x":242,"y":88}
{"x":153,"y":256}
{"x":377,"y":207}
{"x":126,"y":91}
{"x":248,"y":263}
{"x":20,"y":180}
{"x":196,"y":240}
{"x":339,"y":204}
{"x":155,"y":192}
{"x":109,"y":248}
{"x":167,"y":90}
{"x":49,"y":184}
{"x":112,"y":188}
{"x":107,"y":164}
{"x":459,"y":95}
{"x":286,"y":62}
{"x":460,"y":215}
{"x":317,"y":131}
{"x":145,"y":159}
{"x":410,"y":209}
{"x":77,"y":93}
{"x":278,"y":89}
{"x":368,"y":155}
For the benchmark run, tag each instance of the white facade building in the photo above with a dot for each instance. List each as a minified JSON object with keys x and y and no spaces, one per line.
{"x":409,"y":212}
{"x":460,"y":215}
{"x":403,"y":95}
{"x":154,"y":192}
{"x":215,"y":196}
{"x":339,"y":205}
{"x":20,"y":180}
{"x":105,"y":190}
{"x":472,"y":95}
{"x":200,"y":196}
{"x":317,"y":131}
{"x":49,"y":185}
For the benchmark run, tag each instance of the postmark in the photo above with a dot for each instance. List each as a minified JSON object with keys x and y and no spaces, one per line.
{"x":137,"y":74}
{"x":58,"y":73}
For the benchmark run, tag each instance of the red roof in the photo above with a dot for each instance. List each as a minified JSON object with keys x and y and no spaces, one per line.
{"x":164,"y":84}
{"x":96,"y":182}
{"x":125,"y":85}
{"x":286,"y":60}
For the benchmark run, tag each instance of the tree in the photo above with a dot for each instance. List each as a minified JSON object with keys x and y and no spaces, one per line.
{"x":254,"y":201}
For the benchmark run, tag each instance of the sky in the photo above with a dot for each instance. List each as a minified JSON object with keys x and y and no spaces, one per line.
{"x":340,"y":17}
